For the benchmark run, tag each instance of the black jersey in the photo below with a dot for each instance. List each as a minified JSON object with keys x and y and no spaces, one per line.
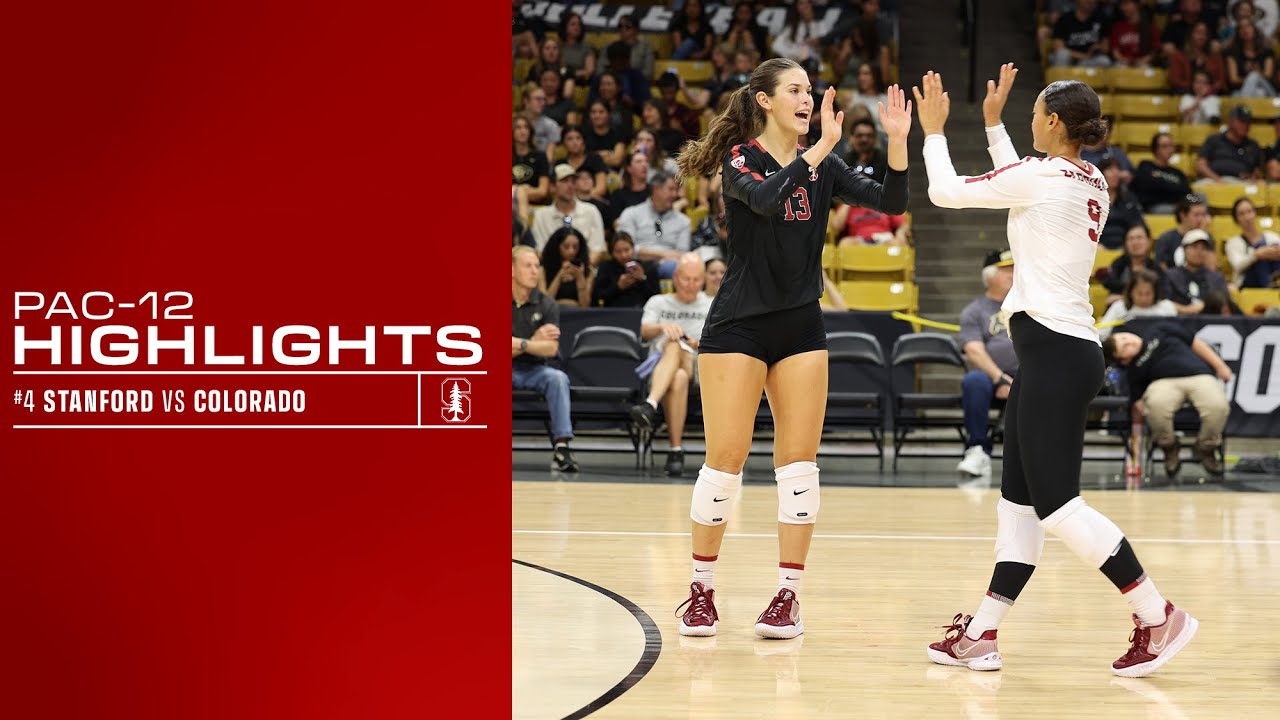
{"x":777,"y":220}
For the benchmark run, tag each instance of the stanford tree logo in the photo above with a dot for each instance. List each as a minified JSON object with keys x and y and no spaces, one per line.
{"x":455,"y":398}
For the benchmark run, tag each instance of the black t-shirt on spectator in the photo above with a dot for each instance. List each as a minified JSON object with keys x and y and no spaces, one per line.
{"x":527,"y":318}
{"x":1155,"y":185}
{"x":1125,"y":211}
{"x":606,"y":142}
{"x":1229,"y":159}
{"x":529,"y":168}
{"x":606,"y":292}
{"x":1080,"y":36}
{"x":704,"y":31}
{"x":621,"y":199}
{"x":1246,"y":64}
{"x":593,"y":162}
{"x":670,"y":141}
{"x":1166,"y":353}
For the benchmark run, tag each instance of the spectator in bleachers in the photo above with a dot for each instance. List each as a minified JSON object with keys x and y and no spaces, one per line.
{"x":862,"y":46}
{"x":549,"y":59}
{"x":984,"y":338}
{"x":1080,"y":37}
{"x":546,"y":132}
{"x":584,"y":184}
{"x":801,"y":35}
{"x":1168,"y":366}
{"x":633,"y":85}
{"x":580,"y":159}
{"x":715,"y":275}
{"x":528,"y":166}
{"x":1158,"y":184}
{"x":691,"y":34}
{"x":575,"y":52}
{"x":1190,"y":282}
{"x":659,"y":161}
{"x":657,"y":124}
{"x":868,"y":93}
{"x":1219,"y":303}
{"x":1191,"y":212}
{"x":609,"y":142}
{"x":622,"y":108}
{"x":634,"y":189}
{"x":723,"y":62}
{"x":1271,"y":155}
{"x":1134,"y":40}
{"x":535,"y":336}
{"x":1142,"y":296}
{"x":1095,"y":154}
{"x":566,"y":210}
{"x":1262,"y":13}
{"x":866,"y":156}
{"x":1125,"y":210}
{"x":1250,"y":64}
{"x":1136,"y":257}
{"x":1231,"y":156}
{"x":1178,"y":29}
{"x":552,"y":85}
{"x":744,"y":33}
{"x":622,"y":280}
{"x":566,"y":275}
{"x":661,"y":232}
{"x":526,"y":32}
{"x":1196,"y":54}
{"x":1254,"y":254}
{"x":868,"y":226}
{"x":711,"y":233}
{"x":643,"y":56}
{"x":672,"y":324}
{"x":1201,"y":106}
{"x":687,"y":119}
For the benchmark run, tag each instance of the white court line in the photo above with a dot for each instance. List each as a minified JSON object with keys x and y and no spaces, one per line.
{"x":774,"y":536}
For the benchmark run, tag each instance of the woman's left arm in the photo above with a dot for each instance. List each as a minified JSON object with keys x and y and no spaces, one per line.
{"x":857,"y":189}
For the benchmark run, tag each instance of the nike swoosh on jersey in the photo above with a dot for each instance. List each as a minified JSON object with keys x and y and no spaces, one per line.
{"x":767,"y":173}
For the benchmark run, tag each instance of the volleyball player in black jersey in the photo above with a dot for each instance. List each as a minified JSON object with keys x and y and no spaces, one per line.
{"x":765,"y":330}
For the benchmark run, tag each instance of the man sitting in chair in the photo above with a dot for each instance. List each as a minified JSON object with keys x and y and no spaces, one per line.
{"x":672,"y":323}
{"x":1168,"y":366}
{"x":984,"y":337}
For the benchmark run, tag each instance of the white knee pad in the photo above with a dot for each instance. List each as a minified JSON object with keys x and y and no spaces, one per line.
{"x":714,"y":494}
{"x":798,"y":494}
{"x":1088,"y":533}
{"x":1019,"y":536}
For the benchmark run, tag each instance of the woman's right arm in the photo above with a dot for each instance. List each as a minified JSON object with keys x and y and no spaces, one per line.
{"x":999,"y":146}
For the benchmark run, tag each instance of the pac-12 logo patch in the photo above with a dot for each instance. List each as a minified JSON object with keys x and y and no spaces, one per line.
{"x":455,"y":398}
{"x":739,"y":162}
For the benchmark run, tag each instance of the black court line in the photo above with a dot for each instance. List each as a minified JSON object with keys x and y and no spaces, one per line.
{"x":652,"y":643}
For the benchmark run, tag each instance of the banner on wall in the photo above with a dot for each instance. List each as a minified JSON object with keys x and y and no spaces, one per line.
{"x":598,"y":17}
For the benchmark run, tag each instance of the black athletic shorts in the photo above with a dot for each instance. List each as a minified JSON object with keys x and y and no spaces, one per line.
{"x":773,"y":336}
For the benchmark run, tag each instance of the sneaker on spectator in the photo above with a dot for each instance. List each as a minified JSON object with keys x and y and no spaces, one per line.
{"x":958,"y":649}
{"x":644,"y":416}
{"x":675,"y":463}
{"x":1150,"y":647}
{"x":976,"y":462}
{"x":563,"y":460}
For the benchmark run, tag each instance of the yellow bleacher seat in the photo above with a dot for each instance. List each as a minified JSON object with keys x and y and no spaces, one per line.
{"x":520,"y":69}
{"x":1222,"y":196}
{"x":1153,"y":107}
{"x":1264,"y":108}
{"x":1137,"y":156}
{"x":602,"y":40}
{"x":1105,"y":101}
{"x":1191,"y":137}
{"x":1263,"y":134}
{"x":694,"y":72}
{"x":1255,"y":301}
{"x":1137,"y":134}
{"x":876,"y":262}
{"x":829,"y":253}
{"x":516,"y":92}
{"x":580,"y":95}
{"x":881,"y":296}
{"x":1160,"y":224}
{"x":1095,"y":78}
{"x":1222,"y":227}
{"x":1098,"y":299}
{"x":661,"y":43}
{"x":697,"y":215}
{"x":1125,"y":79}
{"x":1103,"y":257}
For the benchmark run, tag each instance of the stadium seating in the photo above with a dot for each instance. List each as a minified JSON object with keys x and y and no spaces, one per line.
{"x":916,"y":349}
{"x":1255,"y":301}
{"x":847,"y":405}
{"x":875,"y":262}
{"x":1145,"y":106}
{"x":1148,"y":80}
{"x":880,"y":295}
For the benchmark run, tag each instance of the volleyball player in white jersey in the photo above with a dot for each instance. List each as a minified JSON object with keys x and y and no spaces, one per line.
{"x":1057,"y":207}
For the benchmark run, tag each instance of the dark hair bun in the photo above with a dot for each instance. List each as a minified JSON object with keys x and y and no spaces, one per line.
{"x":1089,"y":132}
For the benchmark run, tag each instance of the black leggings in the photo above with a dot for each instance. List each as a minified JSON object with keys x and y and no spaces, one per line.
{"x":1058,"y":375}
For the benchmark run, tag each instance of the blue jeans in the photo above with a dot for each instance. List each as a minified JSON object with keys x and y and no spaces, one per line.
{"x":976,"y":395}
{"x":688,"y":47}
{"x":666,"y":269}
{"x":554,"y":386}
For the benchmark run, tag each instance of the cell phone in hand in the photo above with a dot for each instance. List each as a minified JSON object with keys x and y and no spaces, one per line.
{"x":576,"y":261}
{"x":631,"y":265}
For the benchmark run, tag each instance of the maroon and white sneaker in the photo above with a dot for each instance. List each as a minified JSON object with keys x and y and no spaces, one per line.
{"x":958,"y":649}
{"x":1150,"y":647}
{"x":781,"y":620}
{"x":701,"y":617}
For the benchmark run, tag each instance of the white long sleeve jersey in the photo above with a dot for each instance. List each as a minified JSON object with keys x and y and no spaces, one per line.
{"x":1057,"y":210}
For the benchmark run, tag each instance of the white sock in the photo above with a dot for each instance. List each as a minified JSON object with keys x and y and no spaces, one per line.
{"x":677,"y":449}
{"x":652,"y":402}
{"x":1146,"y":601}
{"x":790,"y":575}
{"x":990,"y":613}
{"x":704,"y":570}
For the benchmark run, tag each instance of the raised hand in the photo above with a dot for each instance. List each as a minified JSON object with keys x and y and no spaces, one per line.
{"x":896,"y":119}
{"x":832,"y":122}
{"x":933,"y":105}
{"x":998,"y":94}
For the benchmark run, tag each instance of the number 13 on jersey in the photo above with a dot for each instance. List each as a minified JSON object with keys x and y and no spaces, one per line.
{"x":801,"y":196}
{"x":1095,"y":214}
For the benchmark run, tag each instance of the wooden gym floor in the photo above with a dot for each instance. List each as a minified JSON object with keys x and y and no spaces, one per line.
{"x":601,"y":560}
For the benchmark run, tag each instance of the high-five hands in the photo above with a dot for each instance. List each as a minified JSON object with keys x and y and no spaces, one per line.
{"x":998,"y":94}
{"x":896,"y":119}
{"x":933,"y":105}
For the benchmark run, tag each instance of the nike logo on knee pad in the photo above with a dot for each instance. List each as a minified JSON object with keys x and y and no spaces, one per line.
{"x":798,"y":492}
{"x":719,"y":499}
